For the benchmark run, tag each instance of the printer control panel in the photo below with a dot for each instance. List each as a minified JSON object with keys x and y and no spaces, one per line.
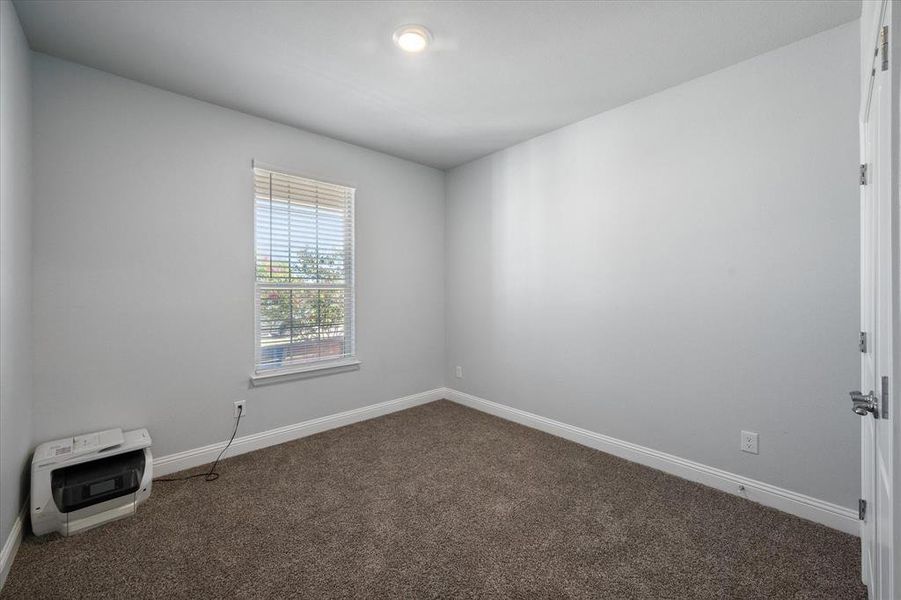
{"x":94,"y":442}
{"x":84,"y":443}
{"x":69,"y":448}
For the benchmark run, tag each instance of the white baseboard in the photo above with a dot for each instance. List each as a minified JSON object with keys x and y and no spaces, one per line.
{"x":179,"y":461}
{"x":199,"y":456}
{"x":806,"y":507}
{"x":11,"y":545}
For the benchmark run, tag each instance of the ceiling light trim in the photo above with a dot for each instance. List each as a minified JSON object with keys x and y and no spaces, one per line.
{"x":412,"y":38}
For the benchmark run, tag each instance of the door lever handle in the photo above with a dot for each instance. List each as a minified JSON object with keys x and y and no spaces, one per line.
{"x":862,"y":404}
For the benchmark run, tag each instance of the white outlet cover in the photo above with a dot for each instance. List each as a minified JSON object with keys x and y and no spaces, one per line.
{"x":749,"y":442}
{"x":243,"y":405}
{"x":459,"y":372}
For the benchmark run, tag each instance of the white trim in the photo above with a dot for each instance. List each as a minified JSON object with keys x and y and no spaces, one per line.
{"x":305,"y":371}
{"x":254,"y":441}
{"x":806,"y":507}
{"x":11,"y":545}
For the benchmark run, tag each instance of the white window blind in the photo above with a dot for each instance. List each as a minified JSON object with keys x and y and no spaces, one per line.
{"x":304,"y":271}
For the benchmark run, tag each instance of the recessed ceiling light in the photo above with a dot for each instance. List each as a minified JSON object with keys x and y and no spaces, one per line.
{"x":412,"y":38}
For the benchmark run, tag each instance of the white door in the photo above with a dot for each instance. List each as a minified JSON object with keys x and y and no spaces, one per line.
{"x":879,"y":281}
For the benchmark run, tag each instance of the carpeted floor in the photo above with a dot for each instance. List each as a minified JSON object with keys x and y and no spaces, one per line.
{"x":441,"y":501}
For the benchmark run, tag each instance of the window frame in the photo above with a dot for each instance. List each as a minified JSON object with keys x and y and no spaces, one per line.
{"x":313,"y":368}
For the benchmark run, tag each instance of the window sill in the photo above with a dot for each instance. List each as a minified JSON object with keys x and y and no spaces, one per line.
{"x":305,"y":371}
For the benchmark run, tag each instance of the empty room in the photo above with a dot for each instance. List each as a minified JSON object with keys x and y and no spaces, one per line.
{"x":502,"y":299}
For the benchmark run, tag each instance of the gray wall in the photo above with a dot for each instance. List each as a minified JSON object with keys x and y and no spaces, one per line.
{"x":15,"y":266}
{"x":143,"y":289}
{"x":678,"y":269}
{"x":624,"y":274}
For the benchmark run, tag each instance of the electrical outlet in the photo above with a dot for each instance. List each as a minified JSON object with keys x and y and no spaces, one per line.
{"x":749,"y":442}
{"x":459,"y":372}
{"x":240,"y":408}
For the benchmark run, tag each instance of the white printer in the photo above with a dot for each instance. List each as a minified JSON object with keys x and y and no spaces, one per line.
{"x":84,"y":481}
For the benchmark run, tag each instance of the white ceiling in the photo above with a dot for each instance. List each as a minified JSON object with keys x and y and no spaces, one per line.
{"x":496,"y":74}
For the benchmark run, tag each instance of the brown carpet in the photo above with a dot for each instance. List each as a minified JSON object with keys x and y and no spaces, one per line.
{"x":441,"y":501}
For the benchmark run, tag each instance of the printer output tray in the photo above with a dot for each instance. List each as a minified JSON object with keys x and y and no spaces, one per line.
{"x":86,"y":484}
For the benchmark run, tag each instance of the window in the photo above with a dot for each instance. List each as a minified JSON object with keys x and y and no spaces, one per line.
{"x":304,"y":235}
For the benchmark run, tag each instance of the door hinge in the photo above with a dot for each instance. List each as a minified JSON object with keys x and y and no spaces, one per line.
{"x":862,"y":342}
{"x":883,"y":42}
{"x":862,"y":509}
{"x":863,"y":174}
{"x":885,"y":397}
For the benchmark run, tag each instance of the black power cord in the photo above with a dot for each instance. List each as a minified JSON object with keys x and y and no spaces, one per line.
{"x":211,"y":475}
